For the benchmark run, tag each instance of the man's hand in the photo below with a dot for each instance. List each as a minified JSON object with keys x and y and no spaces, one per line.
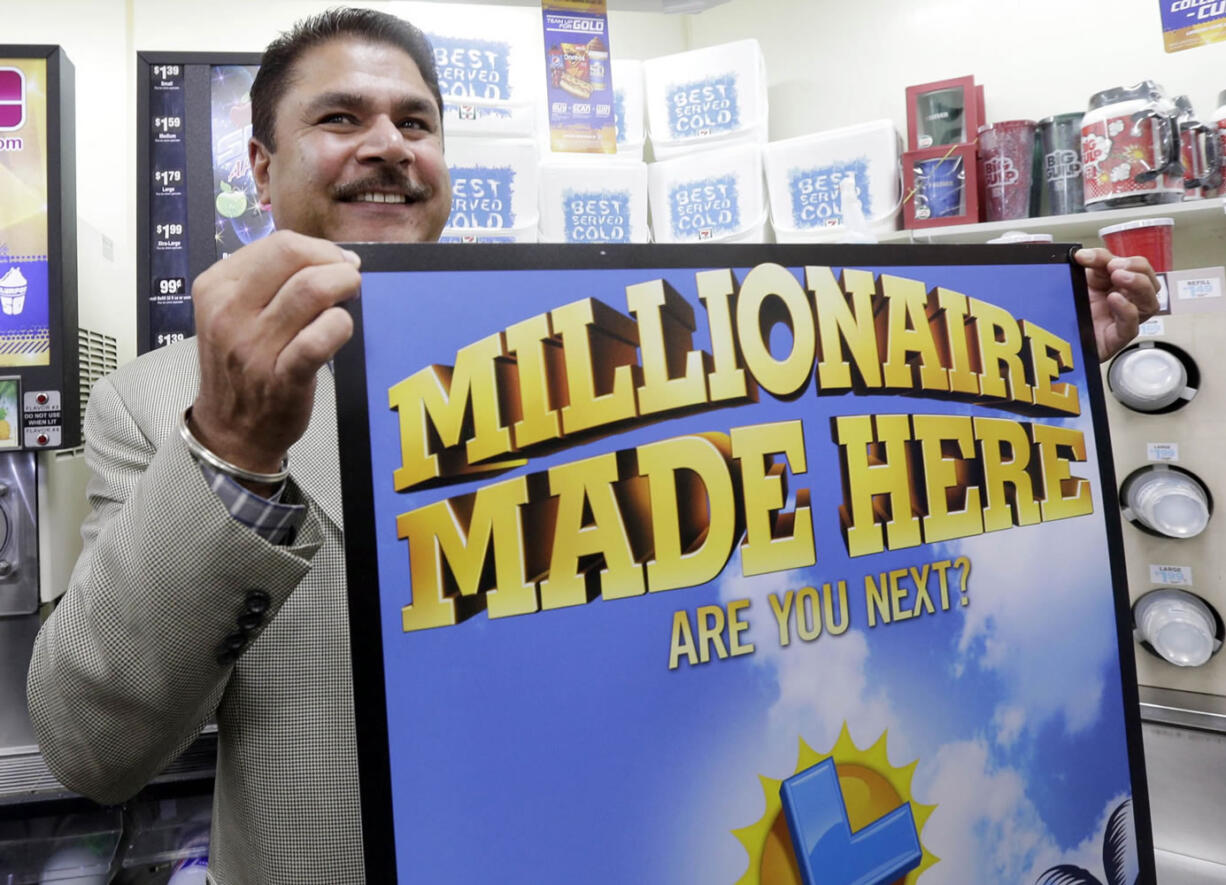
{"x":1123,"y":294}
{"x":267,"y":318}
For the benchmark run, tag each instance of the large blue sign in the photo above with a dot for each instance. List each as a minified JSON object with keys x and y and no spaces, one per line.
{"x":736,"y":565}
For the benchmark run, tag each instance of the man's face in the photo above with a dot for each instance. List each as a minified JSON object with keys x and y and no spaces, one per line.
{"x":359,"y":153}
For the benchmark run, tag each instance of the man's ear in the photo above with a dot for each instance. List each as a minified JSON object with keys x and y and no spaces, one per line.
{"x":259,"y":157}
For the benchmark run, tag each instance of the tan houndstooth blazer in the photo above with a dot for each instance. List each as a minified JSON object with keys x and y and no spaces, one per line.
{"x":126,"y":670}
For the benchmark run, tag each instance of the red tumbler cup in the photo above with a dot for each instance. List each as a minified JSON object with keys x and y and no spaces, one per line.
{"x":1006,"y":155}
{"x":1147,"y":237}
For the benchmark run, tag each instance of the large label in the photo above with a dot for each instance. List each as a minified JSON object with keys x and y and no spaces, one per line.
{"x":25,"y":295}
{"x":596,"y":216}
{"x":705,"y":209}
{"x":1061,"y":165}
{"x":704,"y":107}
{"x":735,"y":574}
{"x":481,"y":196}
{"x":470,"y":68}
{"x":816,"y":198}
{"x":1115,"y":161}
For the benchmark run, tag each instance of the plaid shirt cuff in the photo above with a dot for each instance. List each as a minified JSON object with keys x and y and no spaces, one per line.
{"x":275,"y":522}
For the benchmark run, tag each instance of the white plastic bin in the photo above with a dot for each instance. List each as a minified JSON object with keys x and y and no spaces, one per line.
{"x":489,"y":64}
{"x":628,"y":107}
{"x":594,"y":202}
{"x":803,"y":176}
{"x":708,"y":195}
{"x":709,"y":97}
{"x":494,"y":183}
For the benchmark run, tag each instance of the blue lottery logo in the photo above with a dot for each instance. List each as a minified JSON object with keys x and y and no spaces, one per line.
{"x":472,"y":68}
{"x":597,"y":216}
{"x":846,"y":817}
{"x":816,"y":200}
{"x":481,"y":196}
{"x":705,"y":209}
{"x":705,"y":107}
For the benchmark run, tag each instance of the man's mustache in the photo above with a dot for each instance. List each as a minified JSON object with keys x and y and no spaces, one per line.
{"x":388,"y":179}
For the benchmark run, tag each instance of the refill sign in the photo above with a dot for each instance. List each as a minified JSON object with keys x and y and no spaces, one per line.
{"x":1187,"y":24}
{"x":736,"y":565}
{"x":25,"y":337}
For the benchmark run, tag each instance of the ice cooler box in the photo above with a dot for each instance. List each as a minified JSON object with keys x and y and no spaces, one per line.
{"x":489,"y":65}
{"x":590,"y":200}
{"x":494,"y":190}
{"x":706,"y":98}
{"x":803,"y":176}
{"x":707,"y":196}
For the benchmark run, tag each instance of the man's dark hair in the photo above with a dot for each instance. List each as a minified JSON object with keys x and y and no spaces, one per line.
{"x":277,"y":65}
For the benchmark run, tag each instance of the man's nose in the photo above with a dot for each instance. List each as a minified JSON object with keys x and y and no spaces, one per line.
{"x":383,"y":140}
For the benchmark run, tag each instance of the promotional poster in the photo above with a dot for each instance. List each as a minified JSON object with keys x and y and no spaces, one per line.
{"x":240,"y":219}
{"x":749,"y":564}
{"x":25,"y":336}
{"x":580,"y":87}
{"x":1187,"y":24}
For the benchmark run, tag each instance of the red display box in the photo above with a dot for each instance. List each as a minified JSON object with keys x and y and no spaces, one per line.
{"x":940,"y":186}
{"x":945,"y":112}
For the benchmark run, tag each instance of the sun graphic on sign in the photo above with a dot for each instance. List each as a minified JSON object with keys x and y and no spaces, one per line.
{"x":871,"y":789}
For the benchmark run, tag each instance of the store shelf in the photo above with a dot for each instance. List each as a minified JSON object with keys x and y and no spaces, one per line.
{"x":24,"y":776}
{"x":1199,"y":225}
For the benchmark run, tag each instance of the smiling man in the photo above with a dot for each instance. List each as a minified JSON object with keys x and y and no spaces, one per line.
{"x":212,"y":583}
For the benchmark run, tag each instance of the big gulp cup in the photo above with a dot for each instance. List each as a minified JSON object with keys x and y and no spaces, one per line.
{"x":1006,"y":156}
{"x":1218,"y":122}
{"x":1198,"y":153}
{"x":1130,"y":148}
{"x":1148,"y":237}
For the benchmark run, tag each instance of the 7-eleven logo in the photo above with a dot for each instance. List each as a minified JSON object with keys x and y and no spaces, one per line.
{"x":12,"y":99}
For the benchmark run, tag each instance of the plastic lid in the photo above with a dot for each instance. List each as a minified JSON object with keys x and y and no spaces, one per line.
{"x":1061,"y":118}
{"x":1169,"y":502}
{"x":1017,"y":236}
{"x":1178,"y":625}
{"x":1147,"y":378}
{"x":1135,"y":224}
{"x":1147,"y":89}
{"x":1008,"y":124}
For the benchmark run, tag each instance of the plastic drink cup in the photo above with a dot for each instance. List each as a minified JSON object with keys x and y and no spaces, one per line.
{"x":1006,"y":157}
{"x":1147,"y":237}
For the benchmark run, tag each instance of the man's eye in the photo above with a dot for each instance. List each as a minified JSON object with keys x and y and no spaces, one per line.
{"x":337,"y":118}
{"x":415,"y":123}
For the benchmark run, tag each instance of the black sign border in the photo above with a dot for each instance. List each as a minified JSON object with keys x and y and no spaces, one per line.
{"x":353,"y":423}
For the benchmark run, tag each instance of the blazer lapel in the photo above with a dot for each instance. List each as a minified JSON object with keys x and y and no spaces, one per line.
{"x":314,"y":461}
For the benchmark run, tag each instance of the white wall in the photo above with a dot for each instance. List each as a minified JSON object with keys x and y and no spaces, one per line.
{"x":837,"y":62}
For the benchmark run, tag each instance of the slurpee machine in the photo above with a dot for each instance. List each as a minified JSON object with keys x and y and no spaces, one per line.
{"x":40,"y":407}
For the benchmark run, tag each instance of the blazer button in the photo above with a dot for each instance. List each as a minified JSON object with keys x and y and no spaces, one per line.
{"x":226,"y":657}
{"x":235,"y":641}
{"x":250,"y":620}
{"x":257,"y":601}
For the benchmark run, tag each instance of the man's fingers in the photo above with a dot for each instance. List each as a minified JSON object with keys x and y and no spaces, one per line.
{"x":256,"y":272}
{"x":1126,"y":316}
{"x":314,"y":345}
{"x":303,"y":297}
